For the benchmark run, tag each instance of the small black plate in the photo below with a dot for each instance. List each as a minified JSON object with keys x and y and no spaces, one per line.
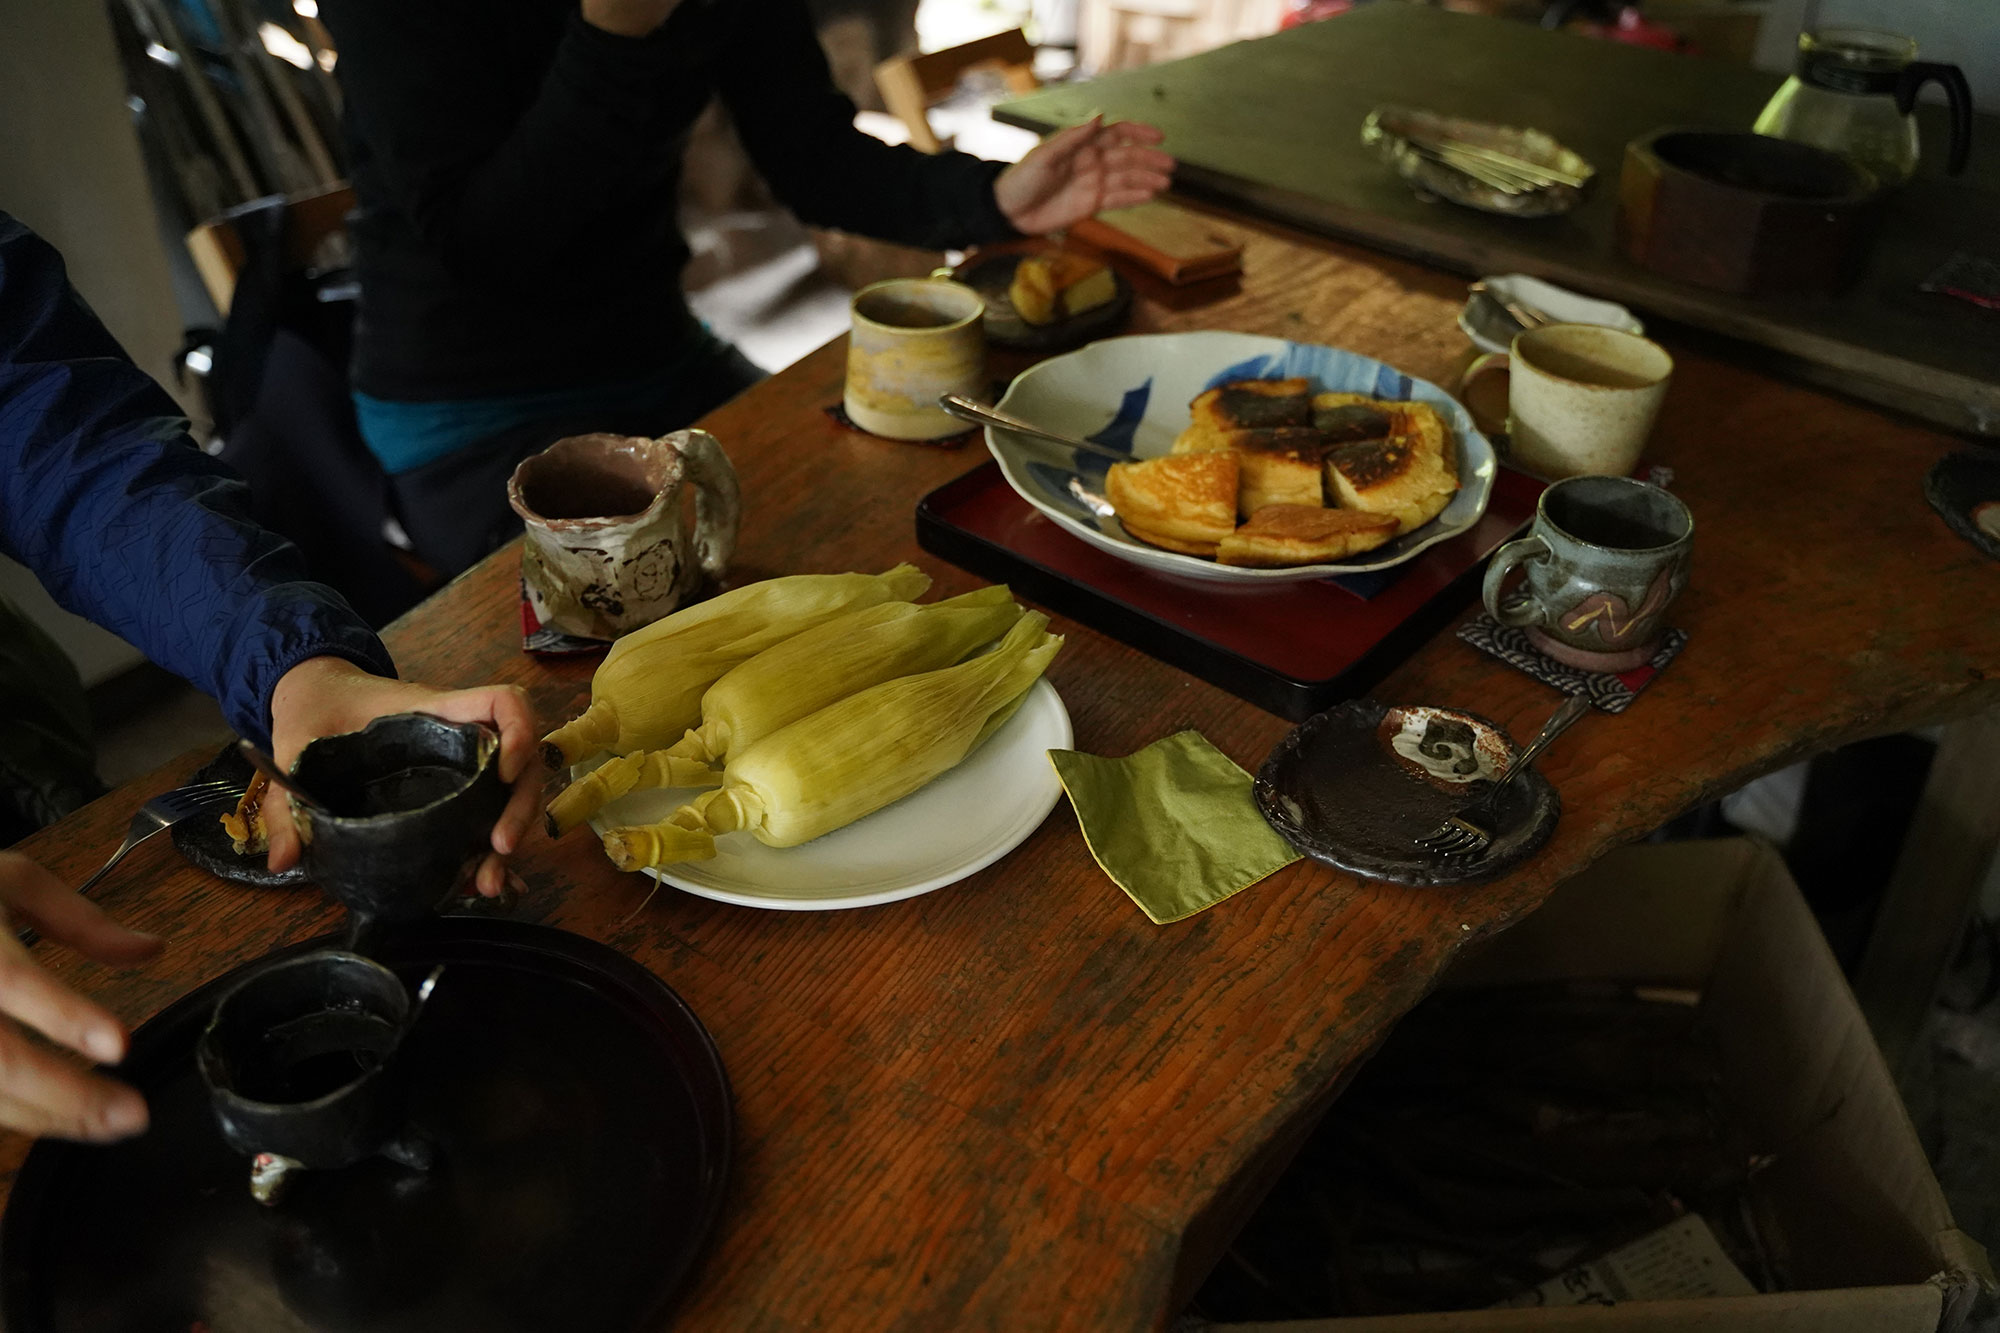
{"x":992,"y":275}
{"x":207,"y":844}
{"x":1337,"y":789}
{"x":1965,"y":490}
{"x":583,"y":1122}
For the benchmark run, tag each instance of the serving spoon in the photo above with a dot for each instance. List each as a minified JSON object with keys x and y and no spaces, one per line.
{"x":958,"y":405}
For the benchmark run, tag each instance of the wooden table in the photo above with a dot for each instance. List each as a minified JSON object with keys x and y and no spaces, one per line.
{"x":1014,"y":1103}
{"x":1273,"y":127}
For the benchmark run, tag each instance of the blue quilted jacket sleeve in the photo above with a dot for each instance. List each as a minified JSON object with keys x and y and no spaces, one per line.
{"x":125,"y":521}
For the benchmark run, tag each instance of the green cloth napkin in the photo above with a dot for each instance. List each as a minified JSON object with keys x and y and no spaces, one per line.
{"x":1173,"y":825}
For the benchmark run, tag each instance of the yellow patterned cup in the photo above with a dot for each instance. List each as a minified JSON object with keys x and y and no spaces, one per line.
{"x":914,"y":340}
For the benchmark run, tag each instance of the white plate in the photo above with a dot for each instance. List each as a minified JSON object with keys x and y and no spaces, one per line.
{"x":1491,"y":331}
{"x":1132,"y":394}
{"x":960,"y":823}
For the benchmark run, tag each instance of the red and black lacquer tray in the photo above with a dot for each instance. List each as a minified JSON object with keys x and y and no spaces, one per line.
{"x":1293,"y":649}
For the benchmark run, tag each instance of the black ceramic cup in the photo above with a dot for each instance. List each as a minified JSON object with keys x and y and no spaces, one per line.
{"x":299,"y":1060}
{"x":411,"y":800}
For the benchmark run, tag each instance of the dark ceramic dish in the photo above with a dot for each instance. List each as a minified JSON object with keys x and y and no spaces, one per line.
{"x":992,"y":275}
{"x":582,"y":1126}
{"x":413,"y":800}
{"x":299,"y":1059}
{"x":1344,"y":790}
{"x":1964,"y":488}
{"x":205,"y":843}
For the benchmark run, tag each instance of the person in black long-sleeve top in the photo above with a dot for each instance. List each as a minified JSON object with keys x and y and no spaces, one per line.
{"x":517,"y":164}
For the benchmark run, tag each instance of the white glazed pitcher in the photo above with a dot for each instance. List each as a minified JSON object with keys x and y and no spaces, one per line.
{"x":609,"y":547}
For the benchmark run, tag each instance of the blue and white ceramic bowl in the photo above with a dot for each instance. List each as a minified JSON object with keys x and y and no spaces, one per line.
{"x":1132,"y":394}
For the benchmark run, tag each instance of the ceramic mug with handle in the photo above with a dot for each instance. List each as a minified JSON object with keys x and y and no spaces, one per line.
{"x":1581,"y":398}
{"x":913,"y":341}
{"x":609,"y":547}
{"x":1602,"y":561}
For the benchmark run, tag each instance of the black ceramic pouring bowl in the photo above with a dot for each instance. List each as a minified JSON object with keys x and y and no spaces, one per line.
{"x":411,"y":801}
{"x":300,"y":1059}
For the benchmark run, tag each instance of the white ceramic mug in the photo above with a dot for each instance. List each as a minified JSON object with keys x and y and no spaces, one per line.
{"x":914,"y":340}
{"x":1581,"y":399}
{"x":609,"y":547}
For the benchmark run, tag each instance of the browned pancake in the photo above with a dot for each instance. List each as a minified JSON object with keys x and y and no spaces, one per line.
{"x":1244,"y":405}
{"x":1206,"y":550}
{"x":1280,"y":535}
{"x":1411,"y":475}
{"x":1187,"y":497}
{"x":1276,"y":478}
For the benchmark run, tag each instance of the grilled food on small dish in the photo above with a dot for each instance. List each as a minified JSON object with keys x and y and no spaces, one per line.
{"x":1060,"y":285}
{"x":245,"y":824}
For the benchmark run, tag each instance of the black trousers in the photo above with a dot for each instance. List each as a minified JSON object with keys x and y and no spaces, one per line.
{"x":455,"y":508}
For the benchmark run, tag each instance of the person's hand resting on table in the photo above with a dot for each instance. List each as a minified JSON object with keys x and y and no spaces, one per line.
{"x":325,"y":696}
{"x":1081,"y":171}
{"x":43,"y":1091}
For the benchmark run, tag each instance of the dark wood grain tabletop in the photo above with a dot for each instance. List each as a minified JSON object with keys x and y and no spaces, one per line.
{"x":1014,"y":1103}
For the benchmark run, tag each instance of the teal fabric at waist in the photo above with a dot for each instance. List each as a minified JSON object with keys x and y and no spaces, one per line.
{"x":407,"y":435}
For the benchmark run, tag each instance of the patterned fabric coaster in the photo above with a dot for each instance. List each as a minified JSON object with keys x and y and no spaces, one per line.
{"x":539,"y":638}
{"x":1611,"y":693}
{"x":838,"y":412}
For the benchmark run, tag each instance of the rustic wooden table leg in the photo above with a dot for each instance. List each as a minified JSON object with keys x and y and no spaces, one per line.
{"x":1944,"y":861}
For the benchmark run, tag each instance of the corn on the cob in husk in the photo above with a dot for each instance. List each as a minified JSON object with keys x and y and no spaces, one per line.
{"x":785,"y":682}
{"x":852,"y":757}
{"x":848,"y":654}
{"x":647,"y":692}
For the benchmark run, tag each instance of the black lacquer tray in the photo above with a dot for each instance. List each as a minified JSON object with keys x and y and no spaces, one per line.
{"x":584,"y":1123}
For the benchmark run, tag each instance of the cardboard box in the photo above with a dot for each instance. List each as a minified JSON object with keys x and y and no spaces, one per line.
{"x":1850,"y":1198}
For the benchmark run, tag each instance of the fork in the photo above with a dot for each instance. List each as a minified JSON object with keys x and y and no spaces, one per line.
{"x":1464,"y":834}
{"x":163,"y":812}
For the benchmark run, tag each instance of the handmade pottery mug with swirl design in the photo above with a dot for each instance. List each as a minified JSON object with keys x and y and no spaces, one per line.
{"x":1602,"y":561}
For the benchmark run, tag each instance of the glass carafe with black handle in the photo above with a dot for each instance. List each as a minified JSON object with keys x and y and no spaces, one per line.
{"x":1854,"y":91}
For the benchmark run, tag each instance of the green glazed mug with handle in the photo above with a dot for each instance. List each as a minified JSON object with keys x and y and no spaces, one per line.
{"x":1602,"y":561}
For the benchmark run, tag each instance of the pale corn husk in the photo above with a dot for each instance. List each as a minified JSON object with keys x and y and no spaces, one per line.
{"x":659,"y":844}
{"x":647,"y":692}
{"x":790,"y":679}
{"x":844,"y":656}
{"x":616,"y":776}
{"x":852,"y":757}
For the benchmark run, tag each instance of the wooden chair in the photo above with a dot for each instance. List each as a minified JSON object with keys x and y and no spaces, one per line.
{"x":911,"y":85}
{"x":219,"y":252}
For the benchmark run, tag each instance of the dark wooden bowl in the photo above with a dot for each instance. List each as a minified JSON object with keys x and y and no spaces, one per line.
{"x":1745,"y":213}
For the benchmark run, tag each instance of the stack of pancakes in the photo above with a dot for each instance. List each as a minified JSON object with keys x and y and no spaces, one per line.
{"x":1312,"y":477}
